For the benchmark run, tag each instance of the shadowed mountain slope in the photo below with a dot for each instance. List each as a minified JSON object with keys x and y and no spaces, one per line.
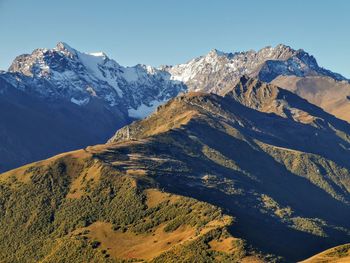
{"x":280,"y":166}
{"x":32,"y":128}
{"x":274,"y":162}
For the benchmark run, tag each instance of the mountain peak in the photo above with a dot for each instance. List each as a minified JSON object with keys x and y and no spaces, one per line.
{"x":86,"y":76}
{"x":279,"y":52}
{"x":283,"y":46}
{"x":281,"y":49}
{"x":62,"y":46}
{"x":218,"y":71}
{"x":65,"y":49}
{"x":216,"y":52}
{"x":269,"y":98}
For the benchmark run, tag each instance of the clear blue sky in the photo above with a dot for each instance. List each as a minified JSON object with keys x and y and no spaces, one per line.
{"x":159,"y":32}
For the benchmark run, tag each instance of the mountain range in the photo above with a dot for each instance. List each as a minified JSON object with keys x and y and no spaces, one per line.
{"x":60,"y":99}
{"x":230,"y":157}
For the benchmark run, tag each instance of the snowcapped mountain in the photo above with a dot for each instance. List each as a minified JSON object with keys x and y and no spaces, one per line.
{"x":218,"y":71}
{"x":60,"y":99}
{"x":65,"y":73}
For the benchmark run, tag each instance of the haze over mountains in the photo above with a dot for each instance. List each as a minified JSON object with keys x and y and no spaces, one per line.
{"x":256,"y":175}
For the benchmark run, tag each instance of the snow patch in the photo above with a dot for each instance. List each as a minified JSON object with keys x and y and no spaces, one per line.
{"x":143,"y":110}
{"x":80,"y":102}
{"x":92,"y":63}
{"x":98,"y":54}
{"x":130,"y":74}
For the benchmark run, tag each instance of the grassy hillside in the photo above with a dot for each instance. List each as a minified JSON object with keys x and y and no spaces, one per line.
{"x":339,"y":254}
{"x":76,"y":208}
{"x":327,"y":93}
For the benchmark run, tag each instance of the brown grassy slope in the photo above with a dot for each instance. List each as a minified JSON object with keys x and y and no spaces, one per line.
{"x":76,"y":207}
{"x":339,"y":254}
{"x":325,"y":92}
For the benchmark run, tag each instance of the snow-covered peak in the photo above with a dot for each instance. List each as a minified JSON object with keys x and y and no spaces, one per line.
{"x":62,"y":46}
{"x":217,"y":71}
{"x":61,"y":61}
{"x":217,"y":53}
{"x":280,"y":52}
{"x":66,"y":73}
{"x":98,"y":54}
{"x":65,"y":49}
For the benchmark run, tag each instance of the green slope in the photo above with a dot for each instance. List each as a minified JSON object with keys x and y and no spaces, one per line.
{"x":76,"y":208}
